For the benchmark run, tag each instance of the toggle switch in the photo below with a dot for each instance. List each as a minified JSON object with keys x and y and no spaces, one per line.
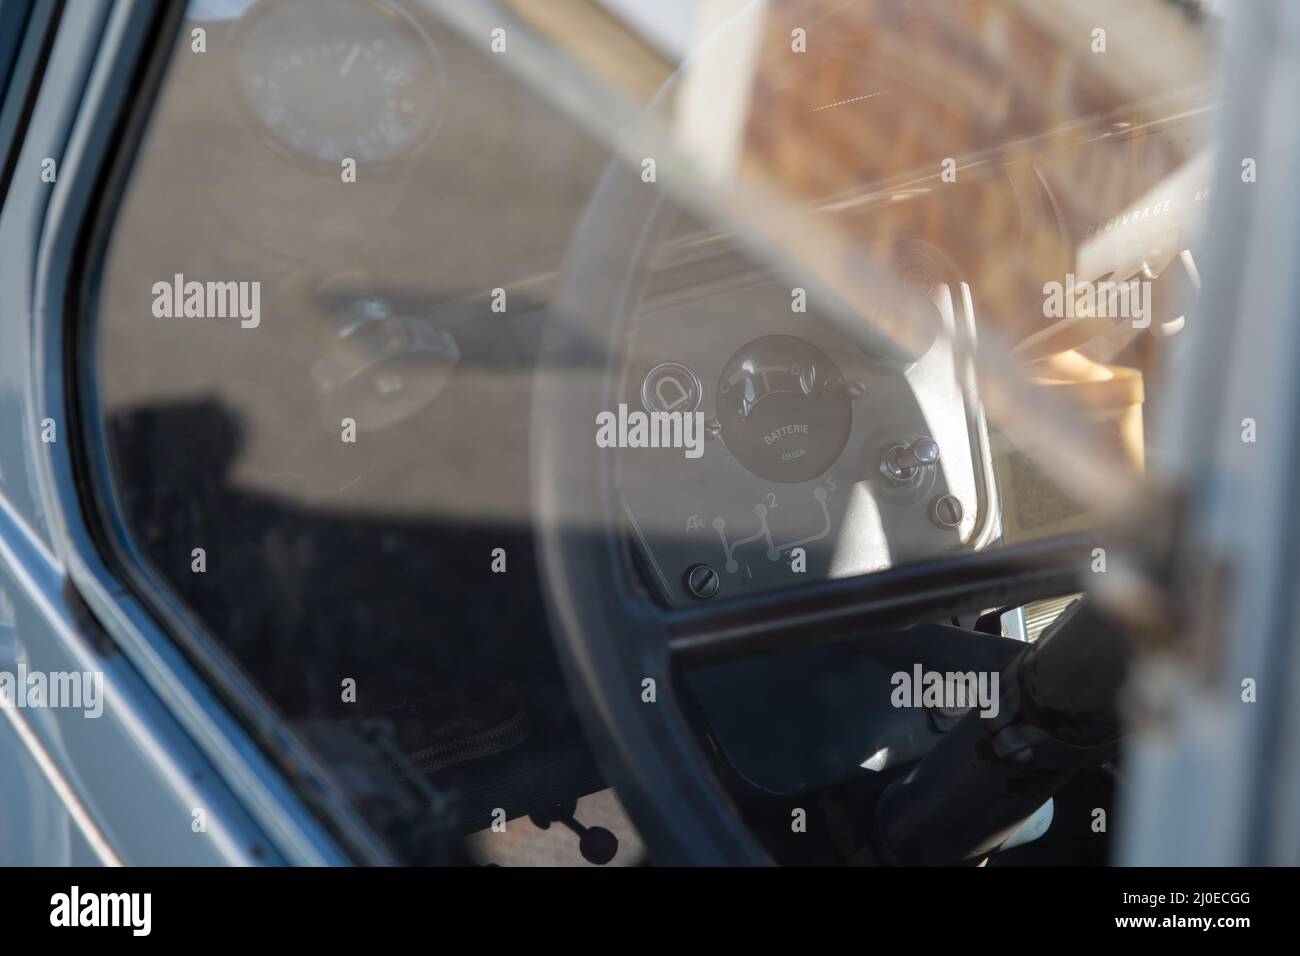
{"x":903,"y":461}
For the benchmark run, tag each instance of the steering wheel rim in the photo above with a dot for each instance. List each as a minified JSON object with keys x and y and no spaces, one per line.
{"x":608,"y":639}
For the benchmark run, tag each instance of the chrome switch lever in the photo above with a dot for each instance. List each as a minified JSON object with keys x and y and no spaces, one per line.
{"x":902,"y":461}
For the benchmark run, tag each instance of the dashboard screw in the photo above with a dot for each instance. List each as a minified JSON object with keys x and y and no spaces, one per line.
{"x":702,"y":581}
{"x":947,"y":511}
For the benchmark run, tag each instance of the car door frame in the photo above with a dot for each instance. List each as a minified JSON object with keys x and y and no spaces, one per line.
{"x":168,"y":744}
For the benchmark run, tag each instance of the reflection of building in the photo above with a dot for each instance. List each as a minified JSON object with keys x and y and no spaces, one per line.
{"x":884,"y":90}
{"x":1058,"y":117}
{"x":916,"y":82}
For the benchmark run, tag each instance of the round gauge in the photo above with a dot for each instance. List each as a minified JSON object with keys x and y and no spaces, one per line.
{"x":783,"y":409}
{"x":336,"y":79}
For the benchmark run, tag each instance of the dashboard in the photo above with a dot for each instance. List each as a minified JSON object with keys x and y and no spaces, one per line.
{"x":333,"y":119}
{"x":819,"y":459}
{"x":365,"y":139}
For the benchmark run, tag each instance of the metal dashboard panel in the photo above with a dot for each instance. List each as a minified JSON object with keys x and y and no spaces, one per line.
{"x":848,"y":519}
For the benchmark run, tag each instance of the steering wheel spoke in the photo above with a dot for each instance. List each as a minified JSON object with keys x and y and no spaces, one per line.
{"x":832,"y":609}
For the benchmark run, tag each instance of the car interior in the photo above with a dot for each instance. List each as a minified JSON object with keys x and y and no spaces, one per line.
{"x":375,"y":514}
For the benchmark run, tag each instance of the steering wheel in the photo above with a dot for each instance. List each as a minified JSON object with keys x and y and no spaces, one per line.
{"x":620,"y":652}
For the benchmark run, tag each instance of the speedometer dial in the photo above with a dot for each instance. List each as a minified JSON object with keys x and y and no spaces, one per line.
{"x":335,"y":79}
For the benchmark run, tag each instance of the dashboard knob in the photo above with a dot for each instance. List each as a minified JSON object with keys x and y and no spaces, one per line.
{"x":902,"y":461}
